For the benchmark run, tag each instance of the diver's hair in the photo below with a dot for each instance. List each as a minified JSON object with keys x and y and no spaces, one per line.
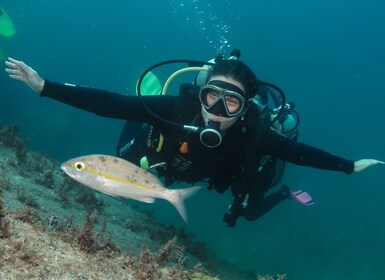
{"x":239,"y":71}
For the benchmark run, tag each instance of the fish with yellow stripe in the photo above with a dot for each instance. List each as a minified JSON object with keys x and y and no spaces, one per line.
{"x":117,"y":177}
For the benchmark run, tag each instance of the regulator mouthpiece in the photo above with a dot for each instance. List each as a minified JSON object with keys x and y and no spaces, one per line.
{"x":211,"y":136}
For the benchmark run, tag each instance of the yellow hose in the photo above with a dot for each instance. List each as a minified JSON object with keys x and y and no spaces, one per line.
{"x":165,"y":87}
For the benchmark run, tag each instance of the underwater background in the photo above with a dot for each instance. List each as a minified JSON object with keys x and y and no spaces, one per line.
{"x":328,"y":57}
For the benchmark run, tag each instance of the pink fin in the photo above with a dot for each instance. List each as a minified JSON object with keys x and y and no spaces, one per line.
{"x":302,"y":197}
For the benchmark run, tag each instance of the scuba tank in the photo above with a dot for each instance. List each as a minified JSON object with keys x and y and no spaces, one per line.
{"x":288,"y":122}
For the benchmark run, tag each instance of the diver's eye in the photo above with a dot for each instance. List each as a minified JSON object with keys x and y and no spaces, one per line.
{"x":79,"y":165}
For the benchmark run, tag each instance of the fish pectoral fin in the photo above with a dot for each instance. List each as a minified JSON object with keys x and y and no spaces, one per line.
{"x":113,"y":184}
{"x":109,"y":183}
{"x":146,"y":199}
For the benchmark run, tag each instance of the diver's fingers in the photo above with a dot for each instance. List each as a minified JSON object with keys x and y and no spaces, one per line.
{"x":10,"y":65}
{"x":19,"y":68}
{"x":11,"y":60}
{"x":12,"y":71}
{"x":17,"y":74}
{"x":13,"y":63}
{"x":19,"y":78}
{"x":17,"y":64}
{"x":362,"y":164}
{"x":374,"y":162}
{"x":13,"y":68}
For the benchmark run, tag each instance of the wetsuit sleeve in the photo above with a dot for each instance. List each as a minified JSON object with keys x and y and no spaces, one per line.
{"x":109,"y":104}
{"x":302,"y":154}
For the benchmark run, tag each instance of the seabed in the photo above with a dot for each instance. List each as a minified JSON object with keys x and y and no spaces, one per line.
{"x":53,"y":228}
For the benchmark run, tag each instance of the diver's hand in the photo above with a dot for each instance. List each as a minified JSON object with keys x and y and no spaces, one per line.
{"x":362,"y":164}
{"x":18,"y":70}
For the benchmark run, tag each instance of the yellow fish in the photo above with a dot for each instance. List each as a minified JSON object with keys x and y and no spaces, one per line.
{"x":117,"y":177}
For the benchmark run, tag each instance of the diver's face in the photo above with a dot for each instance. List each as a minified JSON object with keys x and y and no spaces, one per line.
{"x":232,"y":100}
{"x":231,"y":103}
{"x":222,"y":100}
{"x":223,"y":97}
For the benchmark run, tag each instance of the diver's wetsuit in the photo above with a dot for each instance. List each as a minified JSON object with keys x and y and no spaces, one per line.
{"x":234,"y":163}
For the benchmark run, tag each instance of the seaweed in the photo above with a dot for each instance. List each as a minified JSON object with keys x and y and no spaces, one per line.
{"x":87,"y":198}
{"x":91,"y":242}
{"x":4,"y":223}
{"x":27,"y":200}
{"x":46,"y":179}
{"x":86,"y":238}
{"x":5,"y":184}
{"x":9,"y":138}
{"x":63,"y":191}
{"x":27,"y":215}
{"x":147,"y":266}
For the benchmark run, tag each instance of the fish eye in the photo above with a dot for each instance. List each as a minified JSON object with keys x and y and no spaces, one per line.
{"x":79,"y":165}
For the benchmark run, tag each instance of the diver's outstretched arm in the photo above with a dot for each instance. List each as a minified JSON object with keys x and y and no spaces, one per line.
{"x":18,"y":70}
{"x":362,"y":164}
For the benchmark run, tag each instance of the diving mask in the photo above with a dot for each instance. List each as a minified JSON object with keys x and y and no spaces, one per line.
{"x":223,"y":99}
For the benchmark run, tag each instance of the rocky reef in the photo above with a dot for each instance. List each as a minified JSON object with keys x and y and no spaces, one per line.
{"x":53,"y":228}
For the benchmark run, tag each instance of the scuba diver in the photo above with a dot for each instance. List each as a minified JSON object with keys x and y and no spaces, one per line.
{"x":220,"y":132}
{"x":135,"y":136}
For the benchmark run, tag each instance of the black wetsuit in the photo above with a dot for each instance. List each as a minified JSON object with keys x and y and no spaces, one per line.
{"x":233,"y":164}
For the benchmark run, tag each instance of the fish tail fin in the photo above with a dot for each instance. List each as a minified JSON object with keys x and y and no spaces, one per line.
{"x":178,"y":200}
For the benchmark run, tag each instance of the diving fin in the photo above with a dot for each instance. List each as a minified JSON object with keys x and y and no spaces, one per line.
{"x":7,"y":28}
{"x":302,"y":197}
{"x":150,"y":85}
